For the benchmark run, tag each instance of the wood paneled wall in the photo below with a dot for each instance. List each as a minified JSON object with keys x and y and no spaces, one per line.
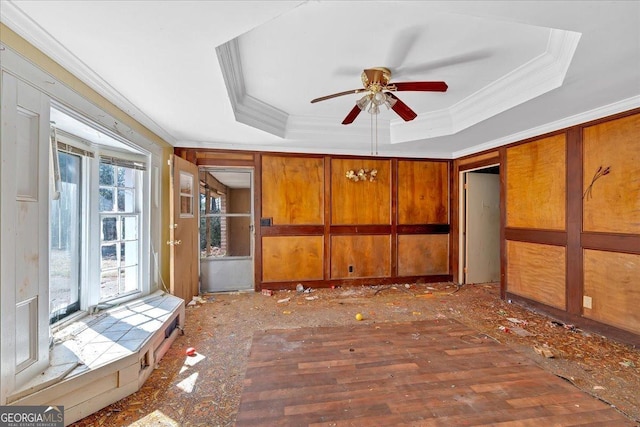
{"x":361,"y":202}
{"x":612,"y":289}
{"x":391,"y":228}
{"x":292,"y":258}
{"x":537,"y":271}
{"x":536,"y":184}
{"x":423,"y":192}
{"x":612,"y":202}
{"x":571,"y":232}
{"x":293,"y":190}
{"x":315,"y":226}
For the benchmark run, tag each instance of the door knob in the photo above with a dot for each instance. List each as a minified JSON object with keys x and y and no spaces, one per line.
{"x":174,"y":242}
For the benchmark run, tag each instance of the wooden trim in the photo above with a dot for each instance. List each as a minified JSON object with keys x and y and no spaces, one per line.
{"x":224,"y":162}
{"x":453,"y":215}
{"x":503,"y":222}
{"x":365,"y":281}
{"x":327,"y":217}
{"x":454,"y":221}
{"x":360,"y":229}
{"x":546,"y":237}
{"x":292,"y":230}
{"x":609,"y":118}
{"x":574,"y":282}
{"x":424,"y":229}
{"x":394,"y":217}
{"x":565,"y":317}
{"x":257,"y":213}
{"x":627,"y":243}
{"x":480,"y":164}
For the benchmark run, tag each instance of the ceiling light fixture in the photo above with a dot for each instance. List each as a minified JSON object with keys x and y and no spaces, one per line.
{"x":371,"y":103}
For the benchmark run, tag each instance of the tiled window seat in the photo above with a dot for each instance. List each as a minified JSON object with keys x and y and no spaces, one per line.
{"x":102,"y":358}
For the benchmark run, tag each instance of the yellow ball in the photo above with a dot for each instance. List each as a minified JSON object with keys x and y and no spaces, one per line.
{"x":359,"y":316}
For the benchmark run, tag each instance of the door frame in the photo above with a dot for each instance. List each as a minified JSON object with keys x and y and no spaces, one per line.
{"x":251,"y":215}
{"x":462,"y":220}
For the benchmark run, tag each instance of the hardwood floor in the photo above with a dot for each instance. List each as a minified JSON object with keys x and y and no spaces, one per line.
{"x":423,"y":373}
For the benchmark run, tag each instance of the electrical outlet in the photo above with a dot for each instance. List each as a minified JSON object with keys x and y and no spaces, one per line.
{"x":587,"y":302}
{"x":351,"y":269}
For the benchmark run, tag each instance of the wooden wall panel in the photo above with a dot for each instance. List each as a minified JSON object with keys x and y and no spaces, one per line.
{"x":370,"y":256}
{"x":423,"y":192}
{"x":221,"y":155}
{"x":292,"y":258}
{"x":611,"y":281}
{"x":361,"y":202}
{"x":613,"y":203}
{"x":481,"y":159}
{"x":537,"y":272}
{"x":423,"y":254}
{"x":293,"y":190}
{"x":536,"y":184}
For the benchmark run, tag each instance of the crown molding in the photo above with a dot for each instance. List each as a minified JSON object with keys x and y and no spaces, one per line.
{"x":576,"y":119}
{"x":26,"y":28}
{"x":246,"y":108}
{"x":537,"y":77}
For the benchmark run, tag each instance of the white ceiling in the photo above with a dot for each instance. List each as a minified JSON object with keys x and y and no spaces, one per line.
{"x":241,"y":74}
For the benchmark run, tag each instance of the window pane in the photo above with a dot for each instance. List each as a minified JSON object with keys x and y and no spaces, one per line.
{"x":106,"y":199}
{"x":186,"y":208}
{"x":120,"y":254}
{"x":186,"y":183}
{"x":65,"y":243}
{"x":109,"y":258}
{"x":129,"y":228}
{"x":108,"y":284}
{"x":109,"y":228}
{"x":128,"y":279}
{"x":106,"y":174}
{"x":126,"y":177}
{"x":186,"y":194}
{"x":129,"y":254}
{"x":125,"y":200}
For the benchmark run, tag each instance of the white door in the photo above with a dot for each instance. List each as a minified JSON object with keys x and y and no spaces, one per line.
{"x":482,"y":228}
{"x":24,"y":190}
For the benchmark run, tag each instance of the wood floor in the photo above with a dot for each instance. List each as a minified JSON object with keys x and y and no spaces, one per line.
{"x":425,"y":373}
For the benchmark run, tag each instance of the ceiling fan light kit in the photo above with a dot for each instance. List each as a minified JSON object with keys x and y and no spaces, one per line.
{"x":376,"y":82}
{"x":379,"y":92}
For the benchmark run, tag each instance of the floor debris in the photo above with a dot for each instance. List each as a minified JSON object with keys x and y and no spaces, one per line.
{"x":222,"y":330}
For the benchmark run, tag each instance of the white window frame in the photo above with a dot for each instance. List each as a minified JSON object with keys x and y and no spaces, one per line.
{"x":90,"y":297}
{"x":137,"y":213}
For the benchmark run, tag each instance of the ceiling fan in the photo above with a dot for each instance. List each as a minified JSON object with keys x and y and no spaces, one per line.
{"x":380,"y":92}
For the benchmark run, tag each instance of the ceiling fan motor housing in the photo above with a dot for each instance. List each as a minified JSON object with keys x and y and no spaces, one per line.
{"x":378,"y":76}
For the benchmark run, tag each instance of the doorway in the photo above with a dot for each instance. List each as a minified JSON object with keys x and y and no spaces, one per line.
{"x":480,"y":225}
{"x":226,"y":229}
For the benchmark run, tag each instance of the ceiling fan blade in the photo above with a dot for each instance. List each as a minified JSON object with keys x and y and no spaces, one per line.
{"x":351,"y":116}
{"x":422,"y":86}
{"x":335,"y":95}
{"x":402,"y":109}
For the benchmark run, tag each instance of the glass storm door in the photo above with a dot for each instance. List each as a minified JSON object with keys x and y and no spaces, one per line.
{"x":226,"y":230}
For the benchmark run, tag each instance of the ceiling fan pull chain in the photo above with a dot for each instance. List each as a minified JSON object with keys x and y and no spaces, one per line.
{"x":376,"y":134}
{"x":371,"y":133}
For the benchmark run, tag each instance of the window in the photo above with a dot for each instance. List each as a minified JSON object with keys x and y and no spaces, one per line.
{"x":65,"y":241}
{"x":100,"y":222}
{"x":119,"y":225}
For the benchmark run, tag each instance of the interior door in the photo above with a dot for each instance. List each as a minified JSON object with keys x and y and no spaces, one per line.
{"x":482,"y":228}
{"x":184,"y":265}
